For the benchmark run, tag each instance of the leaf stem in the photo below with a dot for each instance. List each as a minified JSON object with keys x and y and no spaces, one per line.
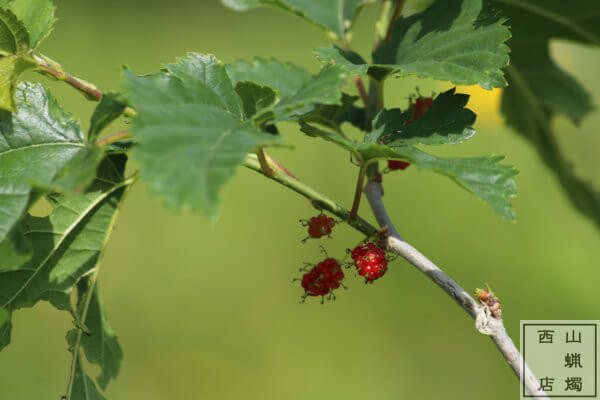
{"x":76,"y":348}
{"x":279,"y":166}
{"x":399,"y":5}
{"x":361,"y":89}
{"x":357,"y":79}
{"x":264,"y":163}
{"x":358,"y":192}
{"x":395,"y":15}
{"x":110,"y":139}
{"x":380,"y":100}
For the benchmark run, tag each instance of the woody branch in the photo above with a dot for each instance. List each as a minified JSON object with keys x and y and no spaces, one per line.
{"x":495,"y":326}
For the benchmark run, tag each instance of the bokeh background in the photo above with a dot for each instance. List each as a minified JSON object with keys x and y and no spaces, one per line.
{"x":209,"y":311}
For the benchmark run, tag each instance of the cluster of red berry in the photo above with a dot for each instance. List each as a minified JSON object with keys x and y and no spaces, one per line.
{"x":419,"y":107}
{"x":370,"y":260}
{"x":322,"y":279}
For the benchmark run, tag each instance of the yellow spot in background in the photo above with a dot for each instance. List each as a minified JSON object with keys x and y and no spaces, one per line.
{"x":485,"y":103}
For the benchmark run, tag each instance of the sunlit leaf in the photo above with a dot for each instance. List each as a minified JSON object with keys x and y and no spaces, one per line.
{"x":67,"y":244}
{"x":36,"y":15}
{"x":99,"y":342}
{"x":111,"y":106}
{"x":255,"y":98}
{"x":482,"y":176}
{"x":36,"y":143}
{"x":446,"y":122}
{"x":453,"y":40}
{"x":192,"y":132}
{"x":335,"y":16}
{"x":14,"y":37}
{"x":84,"y":387}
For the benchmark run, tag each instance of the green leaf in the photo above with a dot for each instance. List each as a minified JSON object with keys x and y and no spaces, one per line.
{"x":36,"y":143}
{"x":528,"y":116}
{"x":67,"y":244}
{"x":347,"y":59}
{"x":482,"y":176}
{"x":15,"y":249}
{"x":192,"y":132}
{"x":37,"y":16}
{"x":111,"y":107}
{"x":335,"y":16}
{"x":4,"y":316}
{"x":538,"y":88}
{"x":536,"y":19}
{"x":11,"y":67}
{"x":285,"y":78}
{"x":298,"y":90}
{"x":84,"y":387}
{"x":446,"y":122}
{"x":5,"y":325}
{"x":255,"y":98}
{"x":324,"y":88}
{"x":453,"y":40}
{"x":534,"y":24}
{"x":333,"y":116}
{"x":14,"y":37}
{"x":99,"y":343}
{"x":23,"y":23}
{"x":555,"y":90}
{"x":206,"y":72}
{"x":77,"y":174}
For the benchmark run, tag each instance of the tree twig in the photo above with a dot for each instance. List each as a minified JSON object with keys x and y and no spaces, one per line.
{"x":497,"y":331}
{"x":55,"y":70}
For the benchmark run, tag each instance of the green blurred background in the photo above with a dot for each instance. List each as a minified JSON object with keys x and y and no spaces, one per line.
{"x":208,"y":311}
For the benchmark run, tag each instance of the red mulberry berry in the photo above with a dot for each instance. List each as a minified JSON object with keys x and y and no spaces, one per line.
{"x":322,"y":278}
{"x":313,"y":284}
{"x":319,"y":226}
{"x":395,"y":165}
{"x":419,"y":107}
{"x":370,"y":261}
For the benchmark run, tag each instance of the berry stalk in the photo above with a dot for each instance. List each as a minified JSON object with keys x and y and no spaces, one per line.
{"x":317,"y":199}
{"x":358,"y":192}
